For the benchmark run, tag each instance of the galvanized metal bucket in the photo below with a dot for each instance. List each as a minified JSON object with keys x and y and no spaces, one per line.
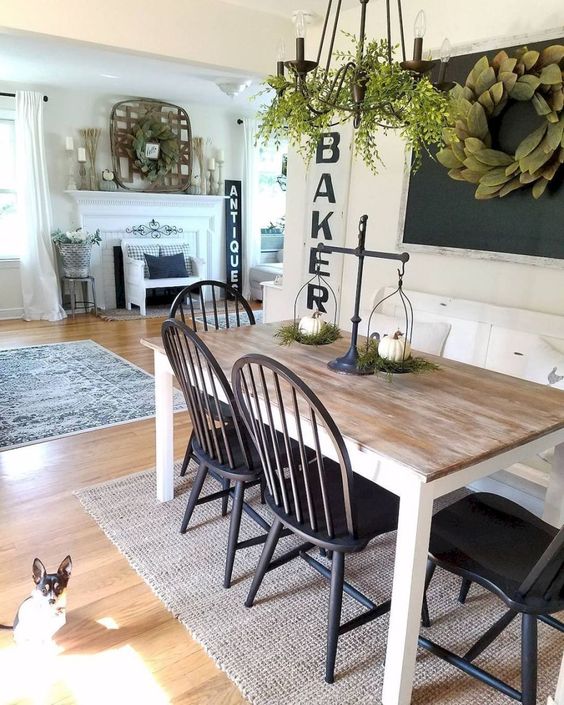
{"x":76,"y":260}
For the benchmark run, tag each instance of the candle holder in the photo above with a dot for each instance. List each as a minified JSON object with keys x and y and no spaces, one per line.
{"x":71,"y":181}
{"x":82,"y":175}
{"x":211,"y":183}
{"x":220,"y":181}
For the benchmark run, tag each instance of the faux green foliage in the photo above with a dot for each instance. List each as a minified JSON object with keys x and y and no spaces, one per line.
{"x":151,"y":128}
{"x":370,"y":361}
{"x":290,"y":333}
{"x":534,"y":76}
{"x":394,"y":99}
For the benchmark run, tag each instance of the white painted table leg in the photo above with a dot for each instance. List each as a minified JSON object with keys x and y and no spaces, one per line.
{"x":164,"y":426}
{"x":554,"y":501}
{"x":416,"y":509}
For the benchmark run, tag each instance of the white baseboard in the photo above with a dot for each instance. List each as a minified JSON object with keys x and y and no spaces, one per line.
{"x":10,"y":313}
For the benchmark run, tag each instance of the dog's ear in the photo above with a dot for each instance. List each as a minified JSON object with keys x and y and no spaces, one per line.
{"x":38,"y":571}
{"x":65,"y":568}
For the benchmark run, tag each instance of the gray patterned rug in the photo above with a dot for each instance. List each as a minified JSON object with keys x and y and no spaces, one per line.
{"x":122,"y":314}
{"x":275,"y":651}
{"x":55,"y":390}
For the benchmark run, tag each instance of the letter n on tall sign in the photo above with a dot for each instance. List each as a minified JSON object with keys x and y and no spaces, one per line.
{"x":328,"y":195}
{"x":233,"y":234}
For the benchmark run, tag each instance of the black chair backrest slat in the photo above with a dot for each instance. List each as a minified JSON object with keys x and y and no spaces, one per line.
{"x":207,"y":393}
{"x":297,"y":462}
{"x":210,"y":294}
{"x":546,"y":578}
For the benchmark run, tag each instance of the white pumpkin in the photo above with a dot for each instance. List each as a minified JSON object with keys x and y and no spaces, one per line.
{"x":311,"y":325}
{"x":394,"y":348}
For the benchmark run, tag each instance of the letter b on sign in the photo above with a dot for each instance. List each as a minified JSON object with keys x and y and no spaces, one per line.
{"x":328,"y":149}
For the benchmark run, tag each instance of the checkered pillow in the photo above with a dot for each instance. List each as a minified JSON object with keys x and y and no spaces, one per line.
{"x":138,"y":252}
{"x":167,"y":250}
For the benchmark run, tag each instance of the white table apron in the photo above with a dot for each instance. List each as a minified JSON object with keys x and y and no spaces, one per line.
{"x":416,"y":507}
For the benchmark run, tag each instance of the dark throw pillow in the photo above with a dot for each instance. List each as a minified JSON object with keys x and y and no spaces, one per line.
{"x":167,"y":267}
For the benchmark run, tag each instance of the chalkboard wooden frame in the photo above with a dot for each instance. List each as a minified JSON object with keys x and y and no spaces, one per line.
{"x":485,"y":46}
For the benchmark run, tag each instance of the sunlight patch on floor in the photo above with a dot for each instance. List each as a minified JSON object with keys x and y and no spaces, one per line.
{"x":44,"y":675}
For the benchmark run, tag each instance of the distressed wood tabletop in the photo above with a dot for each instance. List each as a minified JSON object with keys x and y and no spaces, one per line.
{"x":435,"y":422}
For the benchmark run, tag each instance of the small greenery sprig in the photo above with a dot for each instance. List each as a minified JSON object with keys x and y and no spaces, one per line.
{"x":394,"y":99}
{"x":76,"y":237}
{"x":369,"y":360}
{"x":290,"y":333}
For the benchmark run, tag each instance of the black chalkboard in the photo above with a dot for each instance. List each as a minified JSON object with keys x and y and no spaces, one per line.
{"x":444,"y":213}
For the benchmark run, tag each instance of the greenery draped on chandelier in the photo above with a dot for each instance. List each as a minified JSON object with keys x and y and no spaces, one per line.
{"x":363,"y":83}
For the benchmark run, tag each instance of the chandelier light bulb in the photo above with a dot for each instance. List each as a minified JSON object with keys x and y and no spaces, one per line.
{"x":281,"y":51}
{"x":300,"y":25}
{"x":446,"y":51}
{"x":420,"y":26}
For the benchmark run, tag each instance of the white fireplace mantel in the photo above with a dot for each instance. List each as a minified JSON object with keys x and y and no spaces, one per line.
{"x":116,"y":213}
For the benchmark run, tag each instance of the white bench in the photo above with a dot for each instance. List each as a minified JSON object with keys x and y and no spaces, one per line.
{"x":136,"y":284}
{"x":505,"y":340}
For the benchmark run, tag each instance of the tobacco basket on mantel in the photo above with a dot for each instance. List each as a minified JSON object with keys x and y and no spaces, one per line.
{"x":124,"y":118}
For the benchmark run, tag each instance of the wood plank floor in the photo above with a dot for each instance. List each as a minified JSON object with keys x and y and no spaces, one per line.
{"x":119,"y":645}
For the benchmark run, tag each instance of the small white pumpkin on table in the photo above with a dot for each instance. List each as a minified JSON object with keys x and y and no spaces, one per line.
{"x":311,"y":325}
{"x":394,"y":348}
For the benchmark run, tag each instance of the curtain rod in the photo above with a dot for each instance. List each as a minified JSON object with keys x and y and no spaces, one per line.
{"x":13,"y":95}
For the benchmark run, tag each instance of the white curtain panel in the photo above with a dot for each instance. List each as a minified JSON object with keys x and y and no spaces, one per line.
{"x":40,"y":287}
{"x":251,"y":228}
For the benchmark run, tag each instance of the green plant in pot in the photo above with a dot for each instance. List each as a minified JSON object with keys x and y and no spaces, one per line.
{"x":75,"y":248}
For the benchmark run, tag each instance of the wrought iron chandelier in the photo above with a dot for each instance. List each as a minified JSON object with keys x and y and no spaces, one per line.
{"x":327,"y":89}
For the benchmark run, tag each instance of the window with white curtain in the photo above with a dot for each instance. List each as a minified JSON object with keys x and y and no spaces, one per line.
{"x":270,"y":199}
{"x":9,"y":241}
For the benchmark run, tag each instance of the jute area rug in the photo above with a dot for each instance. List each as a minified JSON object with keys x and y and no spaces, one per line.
{"x":59,"y":389}
{"x":275,"y":652}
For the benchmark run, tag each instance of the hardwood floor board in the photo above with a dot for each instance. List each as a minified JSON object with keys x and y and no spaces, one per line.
{"x":151,"y":654}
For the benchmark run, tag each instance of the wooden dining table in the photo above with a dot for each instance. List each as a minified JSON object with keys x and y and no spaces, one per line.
{"x":421,"y":436}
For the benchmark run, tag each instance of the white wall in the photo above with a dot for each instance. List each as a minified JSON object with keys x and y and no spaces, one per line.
{"x":502,"y":283}
{"x":68,"y":111}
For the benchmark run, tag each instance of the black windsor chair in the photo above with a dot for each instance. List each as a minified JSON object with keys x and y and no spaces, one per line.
{"x":317,"y":498}
{"x":203,"y":306}
{"x":220,"y":444}
{"x":487,"y":539}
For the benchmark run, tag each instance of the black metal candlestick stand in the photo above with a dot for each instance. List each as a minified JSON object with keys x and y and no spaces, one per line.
{"x":348,"y":364}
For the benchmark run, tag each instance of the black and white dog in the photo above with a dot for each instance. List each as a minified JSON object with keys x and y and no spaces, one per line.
{"x":42,"y":614}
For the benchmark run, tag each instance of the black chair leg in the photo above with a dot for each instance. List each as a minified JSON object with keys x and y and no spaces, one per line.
{"x":187,"y":456}
{"x":466,"y":584}
{"x":194,"y":496}
{"x":225,"y":500}
{"x":264,"y":561}
{"x":334,"y":621}
{"x":234,"y":526}
{"x":425,"y":618}
{"x":529,"y":655}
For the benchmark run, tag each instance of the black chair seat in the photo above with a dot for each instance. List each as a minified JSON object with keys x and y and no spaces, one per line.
{"x":376,"y":508}
{"x":495,"y":542}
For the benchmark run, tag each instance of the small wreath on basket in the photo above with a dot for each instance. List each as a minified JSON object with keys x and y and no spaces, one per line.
{"x":154,"y":147}
{"x":534,"y":76}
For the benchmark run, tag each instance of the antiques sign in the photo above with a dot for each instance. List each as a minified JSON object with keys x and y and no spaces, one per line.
{"x":328,"y":190}
{"x":233,"y":234}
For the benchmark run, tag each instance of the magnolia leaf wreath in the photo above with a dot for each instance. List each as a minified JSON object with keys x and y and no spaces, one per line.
{"x":528,"y":76}
{"x":151,"y":129}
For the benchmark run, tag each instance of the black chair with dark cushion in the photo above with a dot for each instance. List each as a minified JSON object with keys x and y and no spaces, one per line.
{"x":317,"y":498}
{"x":202,"y":306}
{"x":221,"y":446}
{"x":487,"y":539}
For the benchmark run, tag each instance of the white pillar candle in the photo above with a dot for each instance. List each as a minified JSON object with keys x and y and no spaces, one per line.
{"x":221,"y":155}
{"x":211,"y":164}
{"x":81,"y":154}
{"x":69,"y":144}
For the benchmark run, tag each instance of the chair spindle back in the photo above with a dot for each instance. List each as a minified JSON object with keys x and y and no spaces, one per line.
{"x":201,"y":305}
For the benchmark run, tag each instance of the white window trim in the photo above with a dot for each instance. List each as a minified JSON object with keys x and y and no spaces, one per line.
{"x":8,"y":261}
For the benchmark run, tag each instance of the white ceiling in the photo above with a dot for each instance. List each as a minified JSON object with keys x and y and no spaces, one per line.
{"x":286,"y":7}
{"x":49,"y":62}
